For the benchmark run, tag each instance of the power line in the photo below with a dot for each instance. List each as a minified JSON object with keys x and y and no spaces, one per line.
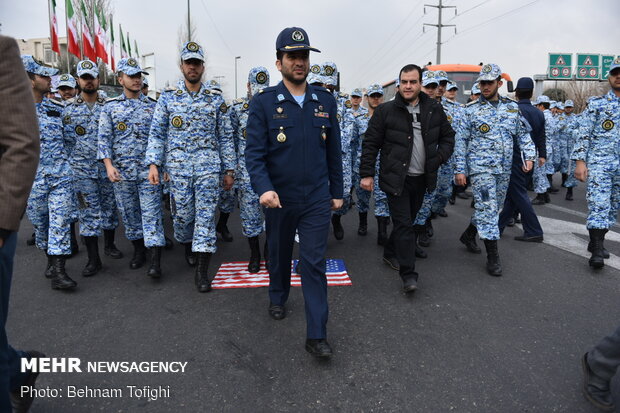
{"x":494,"y":18}
{"x":470,"y":9}
{"x":216,"y":29}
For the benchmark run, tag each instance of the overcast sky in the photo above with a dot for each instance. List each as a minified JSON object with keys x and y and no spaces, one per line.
{"x":369,"y":40}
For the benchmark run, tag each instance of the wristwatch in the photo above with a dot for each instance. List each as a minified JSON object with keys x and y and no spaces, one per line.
{"x":230,"y":173}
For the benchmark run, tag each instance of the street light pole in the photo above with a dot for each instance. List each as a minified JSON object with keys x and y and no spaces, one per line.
{"x":236,"y":59}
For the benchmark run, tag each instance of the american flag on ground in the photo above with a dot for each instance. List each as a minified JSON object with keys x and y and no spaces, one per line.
{"x":236,"y":275}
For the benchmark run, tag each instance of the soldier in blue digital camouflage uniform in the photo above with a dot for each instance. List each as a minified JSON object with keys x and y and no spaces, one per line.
{"x":597,"y":156}
{"x":540,"y":180}
{"x":574,"y":123}
{"x":430,"y":86}
{"x":228,"y":197}
{"x":329,"y":71}
{"x":93,"y":190}
{"x":123,"y":134}
{"x":374,"y":95}
{"x":66,"y":87}
{"x":51,"y":203}
{"x":484,"y":149}
{"x":251,"y":216}
{"x":191,"y":136}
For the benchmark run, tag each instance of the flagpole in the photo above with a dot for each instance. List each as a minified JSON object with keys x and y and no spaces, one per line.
{"x":49,"y":18}
{"x":67,"y":35}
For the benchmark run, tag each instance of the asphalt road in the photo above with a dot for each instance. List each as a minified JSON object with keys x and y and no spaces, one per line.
{"x":466,"y":342}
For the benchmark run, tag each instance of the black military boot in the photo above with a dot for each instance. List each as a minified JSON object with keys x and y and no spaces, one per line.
{"x":362,"y":229}
{"x":75,"y":248}
{"x":94,"y":262}
{"x":338,"y":230}
{"x":494,"y":267}
{"x":222,"y":228}
{"x":539,"y":200}
{"x":597,"y":236}
{"x":266,"y":255}
{"x":452,"y":198}
{"x":569,"y":194}
{"x":254,"y":264}
{"x":49,"y":271}
{"x":605,"y":252}
{"x":60,"y":280}
{"x":201,"y":279}
{"x":547,"y":197}
{"x":190,"y":257}
{"x":155,"y":267}
{"x":109,"y":249}
{"x":552,"y":189}
{"x":139,"y":254}
{"x":382,"y":224}
{"x":564,"y":178}
{"x":32,"y":240}
{"x":469,"y":239}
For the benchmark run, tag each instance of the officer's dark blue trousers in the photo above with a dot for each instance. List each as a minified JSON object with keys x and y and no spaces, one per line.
{"x":517,"y":200}
{"x":10,"y":375}
{"x":311,"y":220}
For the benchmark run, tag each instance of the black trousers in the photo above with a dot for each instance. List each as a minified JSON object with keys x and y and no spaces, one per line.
{"x":403,"y":210}
{"x":518,"y":201}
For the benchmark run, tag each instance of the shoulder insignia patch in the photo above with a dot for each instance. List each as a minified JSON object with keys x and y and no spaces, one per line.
{"x":223,"y":107}
{"x":66,"y":120}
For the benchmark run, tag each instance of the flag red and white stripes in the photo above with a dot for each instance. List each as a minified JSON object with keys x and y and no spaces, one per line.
{"x":236,"y":275}
{"x":72,"y":31}
{"x":54,"y":26}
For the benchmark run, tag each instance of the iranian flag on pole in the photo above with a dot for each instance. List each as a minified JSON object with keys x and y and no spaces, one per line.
{"x":53,"y":26}
{"x":123,"y":46}
{"x":73,"y":42}
{"x":87,"y":38}
{"x":111,"y":61}
{"x":100,"y":36}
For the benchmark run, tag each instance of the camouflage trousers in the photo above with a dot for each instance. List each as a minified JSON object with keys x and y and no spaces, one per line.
{"x":539,"y":178}
{"x":603,"y":196}
{"x":549,"y":167}
{"x":489,"y":194}
{"x":50,"y":209}
{"x":425,"y":209}
{"x":227,"y":199}
{"x":96,"y":205}
{"x":250,"y":209}
{"x":363,"y":197}
{"x":445,"y":177}
{"x":571,"y":181}
{"x":347,"y":183}
{"x":139,"y":204}
{"x":193,"y":201}
{"x":564,"y":157}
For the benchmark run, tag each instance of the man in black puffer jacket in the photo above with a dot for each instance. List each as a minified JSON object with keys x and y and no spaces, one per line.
{"x":414,"y":137}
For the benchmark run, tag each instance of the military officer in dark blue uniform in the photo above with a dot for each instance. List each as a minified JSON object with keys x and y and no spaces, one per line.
{"x":293,"y":157}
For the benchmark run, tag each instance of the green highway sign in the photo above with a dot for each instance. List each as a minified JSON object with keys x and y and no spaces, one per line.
{"x":607,"y":60}
{"x":588,"y":66}
{"x":560,"y":66}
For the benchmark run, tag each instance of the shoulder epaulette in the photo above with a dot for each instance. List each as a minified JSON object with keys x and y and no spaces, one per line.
{"x":343,"y":95}
{"x":118,"y":98}
{"x":237,"y":101}
{"x":472,"y":102}
{"x":170,"y":89}
{"x":267,"y":89}
{"x":507,"y":99}
{"x":151,"y":99}
{"x":57,"y":102}
{"x":360,"y":115}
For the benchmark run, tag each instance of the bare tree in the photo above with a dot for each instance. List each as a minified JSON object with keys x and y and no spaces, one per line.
{"x":581,"y":91}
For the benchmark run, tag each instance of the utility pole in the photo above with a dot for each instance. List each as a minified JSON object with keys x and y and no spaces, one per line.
{"x":189,"y":29}
{"x":439,"y":25}
{"x":236,"y":59}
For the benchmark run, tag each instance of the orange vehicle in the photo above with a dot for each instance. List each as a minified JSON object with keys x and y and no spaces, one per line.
{"x":463,"y":75}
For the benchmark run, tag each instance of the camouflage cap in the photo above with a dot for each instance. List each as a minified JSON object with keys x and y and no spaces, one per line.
{"x":33,"y":65}
{"x":569,"y":104}
{"x":374,"y":88}
{"x":452,"y":86}
{"x":129,"y":66}
{"x":66,"y":80}
{"x":441,"y":76}
{"x":429,"y":77}
{"x":258,"y":78}
{"x":214,"y":85}
{"x":313,"y":79}
{"x":357,"y":92}
{"x":192,"y":50}
{"x":87,"y":67}
{"x":542,"y":99}
{"x":475,"y":89}
{"x":488,"y":72}
{"x":615,"y":64}
{"x":329,"y":70}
